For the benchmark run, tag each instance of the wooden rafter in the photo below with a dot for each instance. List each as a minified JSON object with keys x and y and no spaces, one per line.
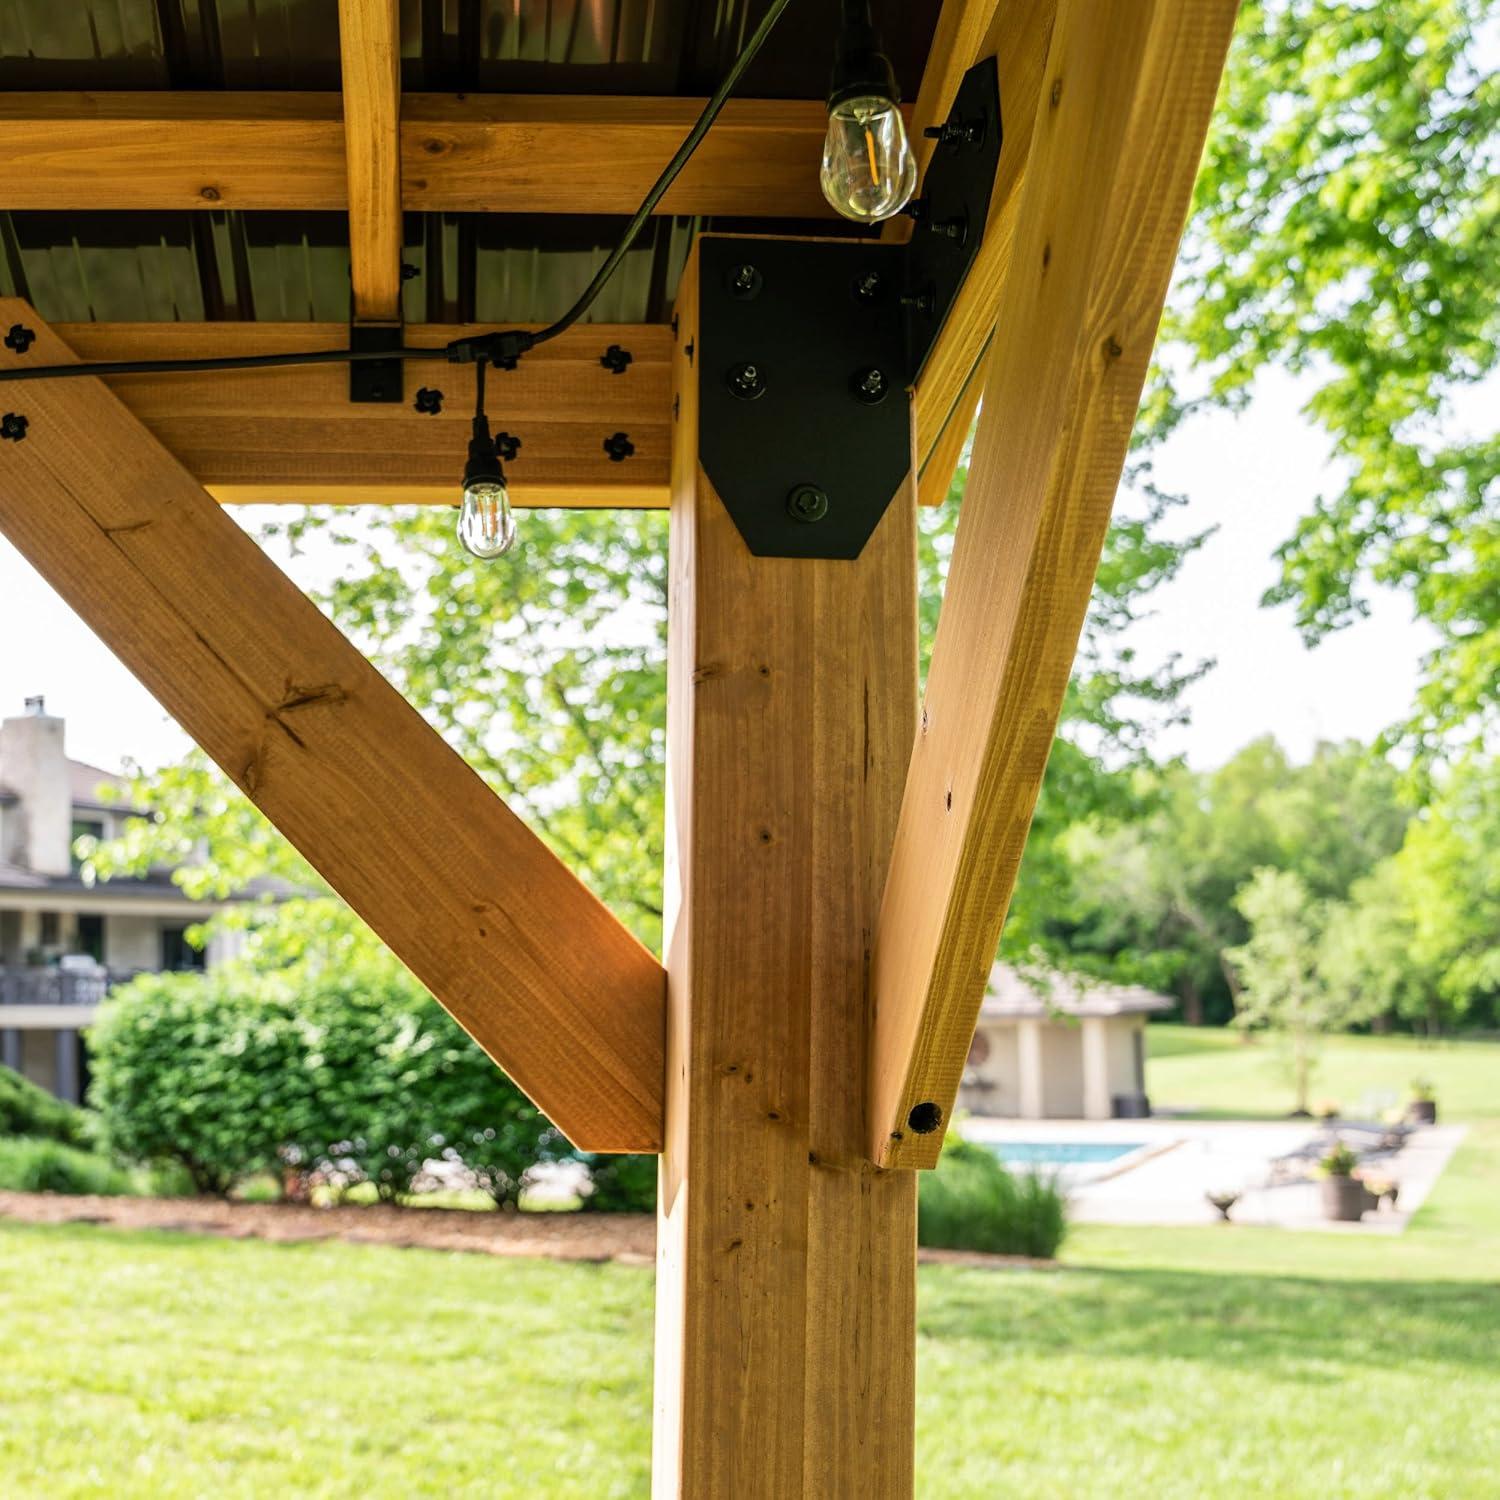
{"x":459,"y":153}
{"x":525,"y":957}
{"x":1130,"y":86}
{"x":293,"y":434}
{"x":370,"y":52}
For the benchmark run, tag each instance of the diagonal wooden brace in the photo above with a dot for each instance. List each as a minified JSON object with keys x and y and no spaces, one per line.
{"x":529,"y":961}
{"x":1125,"y":105}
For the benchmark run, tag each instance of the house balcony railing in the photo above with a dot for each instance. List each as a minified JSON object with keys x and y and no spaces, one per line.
{"x":30,"y":985}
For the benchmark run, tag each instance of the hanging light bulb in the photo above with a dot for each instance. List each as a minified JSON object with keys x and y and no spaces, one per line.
{"x":869,"y":172}
{"x":486,"y":523}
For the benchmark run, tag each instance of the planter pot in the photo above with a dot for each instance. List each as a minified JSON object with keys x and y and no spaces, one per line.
{"x":1344,"y":1198}
{"x":1422,"y":1111}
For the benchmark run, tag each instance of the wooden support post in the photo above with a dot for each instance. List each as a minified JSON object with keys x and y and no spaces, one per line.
{"x":1128,"y":92}
{"x":786,"y":1262}
{"x":370,"y":48}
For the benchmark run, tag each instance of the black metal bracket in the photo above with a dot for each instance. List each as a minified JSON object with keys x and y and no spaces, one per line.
{"x":807,"y":351}
{"x":955,"y":206}
{"x":805,"y":466}
{"x":376,"y":380}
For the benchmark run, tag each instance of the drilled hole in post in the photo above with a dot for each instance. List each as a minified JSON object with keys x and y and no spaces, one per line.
{"x":924,"y":1118}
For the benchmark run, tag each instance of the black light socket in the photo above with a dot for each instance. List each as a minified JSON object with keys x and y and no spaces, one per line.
{"x":483,"y":466}
{"x":860,"y":68}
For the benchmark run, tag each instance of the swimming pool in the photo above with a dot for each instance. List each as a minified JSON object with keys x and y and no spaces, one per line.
{"x":1061,"y":1153}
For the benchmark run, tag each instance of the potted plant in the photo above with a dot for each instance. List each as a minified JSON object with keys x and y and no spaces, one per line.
{"x":1345,"y":1197}
{"x":1224,"y":1202}
{"x":1421,"y":1107}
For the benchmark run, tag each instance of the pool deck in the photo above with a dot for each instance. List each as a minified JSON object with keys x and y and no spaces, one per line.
{"x":1180,"y":1161}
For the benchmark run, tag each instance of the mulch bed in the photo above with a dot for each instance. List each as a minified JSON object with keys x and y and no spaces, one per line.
{"x":626,"y":1239}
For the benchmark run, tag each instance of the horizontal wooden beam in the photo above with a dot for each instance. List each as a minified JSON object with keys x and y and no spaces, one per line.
{"x":459,"y":153}
{"x":292,"y":434}
{"x":1129,"y":89}
{"x":526,"y":958}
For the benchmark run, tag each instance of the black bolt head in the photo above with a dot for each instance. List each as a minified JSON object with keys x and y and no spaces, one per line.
{"x":619,"y":447}
{"x":746,"y":381}
{"x":867,"y":287}
{"x":955,"y":229}
{"x":745,"y":282}
{"x":20,"y":338}
{"x":507,"y":446}
{"x":13,"y":427}
{"x":870,"y":386}
{"x":408,"y":270}
{"x":615,"y":359}
{"x":923,"y":301}
{"x":428,"y":401}
{"x":807,"y":503}
{"x":953,"y":133}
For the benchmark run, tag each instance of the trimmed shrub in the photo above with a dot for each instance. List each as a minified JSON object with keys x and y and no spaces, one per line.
{"x":358,"y":1076}
{"x":26,"y":1109}
{"x":620,"y":1184}
{"x":29,"y":1165}
{"x":190,"y":1069}
{"x":971,"y":1202}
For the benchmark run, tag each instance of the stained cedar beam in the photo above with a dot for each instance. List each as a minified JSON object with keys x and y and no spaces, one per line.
{"x":1130,"y":86}
{"x":293,"y":435}
{"x":533,"y":966}
{"x":786,"y":1282}
{"x":370,"y":53}
{"x":459,"y":153}
{"x":1017,"y":36}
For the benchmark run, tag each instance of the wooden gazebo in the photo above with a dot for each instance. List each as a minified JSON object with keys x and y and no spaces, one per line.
{"x":840,"y":857}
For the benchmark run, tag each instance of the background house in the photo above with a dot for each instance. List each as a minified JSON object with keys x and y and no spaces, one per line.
{"x":1050,"y":1047}
{"x":63,"y":943}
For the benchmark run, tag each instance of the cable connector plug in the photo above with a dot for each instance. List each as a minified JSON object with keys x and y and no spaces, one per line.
{"x":501,"y":349}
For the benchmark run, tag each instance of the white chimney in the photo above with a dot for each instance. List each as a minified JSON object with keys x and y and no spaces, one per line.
{"x":39,"y":830}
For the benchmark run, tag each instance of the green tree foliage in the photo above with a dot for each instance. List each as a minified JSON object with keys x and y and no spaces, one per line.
{"x":1419,"y":937}
{"x":1154,"y":895}
{"x":1284,"y":988}
{"x":1346,"y":227}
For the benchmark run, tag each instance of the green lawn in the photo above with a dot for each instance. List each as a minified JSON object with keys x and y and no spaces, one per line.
{"x":1170,"y":1364}
{"x":1215,"y":1072}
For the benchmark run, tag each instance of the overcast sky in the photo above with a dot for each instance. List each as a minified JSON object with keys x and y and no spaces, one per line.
{"x":1250,"y":475}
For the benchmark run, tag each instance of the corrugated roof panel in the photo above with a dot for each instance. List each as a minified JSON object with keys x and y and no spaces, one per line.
{"x":530,"y":46}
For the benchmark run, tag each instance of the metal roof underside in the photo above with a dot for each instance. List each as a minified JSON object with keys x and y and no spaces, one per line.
{"x":205,"y":265}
